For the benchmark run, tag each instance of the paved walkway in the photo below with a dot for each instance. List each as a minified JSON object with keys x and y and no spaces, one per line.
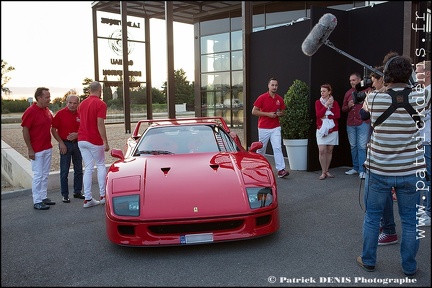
{"x":319,"y":218}
{"x":320,"y":236}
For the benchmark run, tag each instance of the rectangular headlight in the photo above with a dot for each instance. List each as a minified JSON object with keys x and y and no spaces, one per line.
{"x":126,"y":205}
{"x":259,"y":197}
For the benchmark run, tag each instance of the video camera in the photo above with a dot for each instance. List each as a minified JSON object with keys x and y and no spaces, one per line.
{"x":359,"y":95}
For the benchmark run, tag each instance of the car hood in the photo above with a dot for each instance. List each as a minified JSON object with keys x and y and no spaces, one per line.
{"x":191,"y":185}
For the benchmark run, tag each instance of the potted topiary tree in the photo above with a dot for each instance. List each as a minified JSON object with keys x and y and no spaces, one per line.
{"x":295,"y":124}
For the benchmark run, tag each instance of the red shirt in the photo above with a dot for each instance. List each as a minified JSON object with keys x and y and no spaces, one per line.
{"x":38,"y":121}
{"x":90,"y":109}
{"x":66,"y":122}
{"x":266,"y":103}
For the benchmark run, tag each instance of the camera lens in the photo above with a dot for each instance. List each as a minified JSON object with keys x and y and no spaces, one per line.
{"x":358,"y":96}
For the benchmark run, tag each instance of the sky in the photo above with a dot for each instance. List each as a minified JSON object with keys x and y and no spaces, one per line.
{"x":50,"y":44}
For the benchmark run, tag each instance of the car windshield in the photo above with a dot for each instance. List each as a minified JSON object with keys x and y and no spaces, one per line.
{"x":183,"y":140}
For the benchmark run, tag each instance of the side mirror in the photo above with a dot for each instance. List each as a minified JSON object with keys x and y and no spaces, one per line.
{"x":255,"y":146}
{"x":117,"y":153}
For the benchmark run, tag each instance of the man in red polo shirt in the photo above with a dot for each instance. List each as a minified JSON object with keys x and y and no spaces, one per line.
{"x":65,"y":130}
{"x":36,"y":123}
{"x":269,"y":107}
{"x":93,"y":142}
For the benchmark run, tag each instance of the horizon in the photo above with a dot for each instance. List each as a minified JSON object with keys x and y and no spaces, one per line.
{"x":23,"y":93}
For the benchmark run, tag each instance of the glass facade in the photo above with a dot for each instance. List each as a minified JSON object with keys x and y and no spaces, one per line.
{"x":221,"y":53}
{"x":222,"y":75}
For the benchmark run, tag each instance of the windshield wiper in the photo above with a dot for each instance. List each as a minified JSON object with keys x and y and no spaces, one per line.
{"x":154,"y":152}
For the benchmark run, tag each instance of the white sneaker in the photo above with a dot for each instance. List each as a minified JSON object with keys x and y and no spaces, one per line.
{"x":425,"y":219}
{"x":102,"y":200}
{"x":90,"y":203}
{"x":351,"y":172}
{"x":362,"y":175}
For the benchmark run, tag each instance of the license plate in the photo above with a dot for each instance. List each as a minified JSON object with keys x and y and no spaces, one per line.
{"x":196,"y":238}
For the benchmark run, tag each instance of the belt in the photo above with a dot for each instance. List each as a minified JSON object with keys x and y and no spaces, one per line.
{"x":71,"y":141}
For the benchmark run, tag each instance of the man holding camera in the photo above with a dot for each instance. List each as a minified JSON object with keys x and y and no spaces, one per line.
{"x":357,"y":129}
{"x":394,"y":160}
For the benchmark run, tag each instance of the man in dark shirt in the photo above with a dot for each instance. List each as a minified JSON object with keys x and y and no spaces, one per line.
{"x":357,"y":129}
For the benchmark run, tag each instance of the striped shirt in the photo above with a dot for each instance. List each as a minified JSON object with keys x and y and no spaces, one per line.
{"x":395,"y":145}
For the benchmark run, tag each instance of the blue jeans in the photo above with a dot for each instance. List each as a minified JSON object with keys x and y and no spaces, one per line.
{"x":377,"y":191}
{"x":73,"y":154}
{"x":387,"y":221}
{"x":427,"y":193}
{"x":358,"y":137}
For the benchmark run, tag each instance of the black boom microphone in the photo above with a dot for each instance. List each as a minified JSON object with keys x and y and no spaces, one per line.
{"x":318,"y":36}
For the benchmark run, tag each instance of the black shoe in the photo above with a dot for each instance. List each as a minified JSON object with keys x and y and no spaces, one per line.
{"x":40,"y":206}
{"x":365,"y":267}
{"x":79,"y":196}
{"x":66,"y":199}
{"x":411,"y":275}
{"x":48,"y":201}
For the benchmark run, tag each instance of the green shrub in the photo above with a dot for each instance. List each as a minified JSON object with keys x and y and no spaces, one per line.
{"x":295,"y":122}
{"x":14,"y":106}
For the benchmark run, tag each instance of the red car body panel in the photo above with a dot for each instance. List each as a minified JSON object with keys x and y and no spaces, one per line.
{"x":190,"y":196}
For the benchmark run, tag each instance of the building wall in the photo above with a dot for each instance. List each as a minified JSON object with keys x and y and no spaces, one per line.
{"x":365,"y":34}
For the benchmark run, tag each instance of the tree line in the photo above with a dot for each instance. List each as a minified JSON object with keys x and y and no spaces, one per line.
{"x":184,"y":93}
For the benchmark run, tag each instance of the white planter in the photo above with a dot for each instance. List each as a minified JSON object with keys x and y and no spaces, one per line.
{"x":297,"y":153}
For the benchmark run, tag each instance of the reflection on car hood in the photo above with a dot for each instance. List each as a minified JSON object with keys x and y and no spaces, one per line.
{"x":192,"y":185}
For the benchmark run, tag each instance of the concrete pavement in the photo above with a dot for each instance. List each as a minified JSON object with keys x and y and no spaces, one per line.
{"x":320,"y":238}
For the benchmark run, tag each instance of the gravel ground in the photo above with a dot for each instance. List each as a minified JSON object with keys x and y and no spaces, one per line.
{"x":12,"y":135}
